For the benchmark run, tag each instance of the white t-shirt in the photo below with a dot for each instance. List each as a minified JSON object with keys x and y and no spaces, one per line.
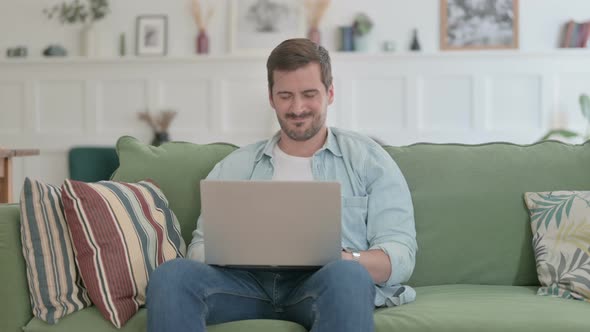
{"x":290,"y":168}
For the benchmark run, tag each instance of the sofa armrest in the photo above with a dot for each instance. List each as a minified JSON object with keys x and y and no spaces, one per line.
{"x":15,"y":306}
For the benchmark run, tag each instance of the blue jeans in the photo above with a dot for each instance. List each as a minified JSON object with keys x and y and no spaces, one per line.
{"x":185,"y":295}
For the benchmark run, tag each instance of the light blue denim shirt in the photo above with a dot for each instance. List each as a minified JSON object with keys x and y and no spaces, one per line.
{"x":377,"y":211}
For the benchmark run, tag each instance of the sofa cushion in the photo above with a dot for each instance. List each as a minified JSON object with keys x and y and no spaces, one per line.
{"x":471,"y":222}
{"x":177,"y":167}
{"x":560,"y":222}
{"x":452,"y":308}
{"x":121,"y":233}
{"x":90,"y":320}
{"x":448,"y":308}
{"x":15,"y":307}
{"x":55,"y":286}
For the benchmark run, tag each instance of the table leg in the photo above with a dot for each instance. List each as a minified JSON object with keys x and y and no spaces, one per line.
{"x":6,"y":180}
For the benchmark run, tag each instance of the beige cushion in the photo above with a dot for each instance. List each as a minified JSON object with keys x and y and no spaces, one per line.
{"x":560,"y":221}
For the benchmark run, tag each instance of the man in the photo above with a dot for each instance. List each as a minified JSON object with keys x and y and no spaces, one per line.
{"x":378,"y":231}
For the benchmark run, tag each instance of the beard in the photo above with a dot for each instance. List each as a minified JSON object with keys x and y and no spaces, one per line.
{"x":295,"y":133}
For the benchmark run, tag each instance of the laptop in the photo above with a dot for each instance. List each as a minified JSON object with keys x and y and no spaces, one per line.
{"x":271,"y":224}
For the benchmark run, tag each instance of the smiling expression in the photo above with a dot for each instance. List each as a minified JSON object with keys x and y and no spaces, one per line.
{"x":301,"y":101}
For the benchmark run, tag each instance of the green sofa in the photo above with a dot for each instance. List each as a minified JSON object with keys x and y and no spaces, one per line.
{"x":475,"y":269}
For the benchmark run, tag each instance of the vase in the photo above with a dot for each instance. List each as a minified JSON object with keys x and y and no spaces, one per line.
{"x":89,"y":41}
{"x":122,"y":45}
{"x":314,"y":35}
{"x":346,"y":42}
{"x":160,"y":138}
{"x":415,"y":45}
{"x":202,"y":42}
{"x":361,"y":43}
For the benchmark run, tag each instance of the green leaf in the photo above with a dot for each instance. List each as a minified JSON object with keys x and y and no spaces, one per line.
{"x":561,"y":268}
{"x":560,"y":132}
{"x":550,"y":206}
{"x":585,"y":106}
{"x":575,"y":259}
{"x":541,"y":203}
{"x":549,"y":217}
{"x":558,"y":214}
{"x":552,"y":273}
{"x":568,"y":207}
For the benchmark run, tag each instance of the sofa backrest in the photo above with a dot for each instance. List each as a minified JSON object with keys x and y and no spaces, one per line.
{"x":471,"y":220}
{"x":177,"y":168}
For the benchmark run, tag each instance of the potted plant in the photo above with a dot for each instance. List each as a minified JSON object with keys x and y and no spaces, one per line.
{"x":85,"y":13}
{"x":584,"y":100}
{"x":361,"y":27}
{"x":160,"y":124}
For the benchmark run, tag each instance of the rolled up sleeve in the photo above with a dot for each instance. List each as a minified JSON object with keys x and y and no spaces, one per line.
{"x":390,"y":215}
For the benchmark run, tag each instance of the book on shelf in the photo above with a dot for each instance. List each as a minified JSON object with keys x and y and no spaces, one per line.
{"x":576,"y":34}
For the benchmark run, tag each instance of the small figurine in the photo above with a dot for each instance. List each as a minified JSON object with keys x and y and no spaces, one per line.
{"x":55,"y":50}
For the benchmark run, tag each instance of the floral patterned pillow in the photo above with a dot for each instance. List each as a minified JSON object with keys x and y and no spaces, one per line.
{"x":560,"y":221}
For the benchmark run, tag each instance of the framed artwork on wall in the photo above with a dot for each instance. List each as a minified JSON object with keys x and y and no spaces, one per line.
{"x":151,"y":35}
{"x":257,"y":26}
{"x":478,"y":24}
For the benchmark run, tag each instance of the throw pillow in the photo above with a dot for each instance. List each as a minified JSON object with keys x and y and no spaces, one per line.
{"x":121,"y":233}
{"x":560,"y":222}
{"x":55,"y":286}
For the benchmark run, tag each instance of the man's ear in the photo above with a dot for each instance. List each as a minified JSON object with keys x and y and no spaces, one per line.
{"x":331,"y":94}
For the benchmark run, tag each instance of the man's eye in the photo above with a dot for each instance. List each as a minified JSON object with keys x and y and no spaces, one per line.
{"x":309,"y":95}
{"x":285,"y":96}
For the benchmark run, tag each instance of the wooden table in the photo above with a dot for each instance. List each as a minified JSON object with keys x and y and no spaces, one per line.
{"x":6,"y":156}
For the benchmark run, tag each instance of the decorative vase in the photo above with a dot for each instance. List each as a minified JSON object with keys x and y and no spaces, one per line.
{"x":202,"y":42}
{"x":361,"y":43}
{"x":160,"y":138}
{"x":314,"y":35}
{"x":122,"y":45}
{"x":415,"y":45}
{"x":346,"y":42}
{"x":89,"y":41}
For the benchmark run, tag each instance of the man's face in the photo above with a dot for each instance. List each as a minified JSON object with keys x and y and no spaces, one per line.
{"x":301,"y":101}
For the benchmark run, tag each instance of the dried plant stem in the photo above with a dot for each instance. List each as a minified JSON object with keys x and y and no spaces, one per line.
{"x":197,"y":11}
{"x":316,"y":10}
{"x":159,"y":122}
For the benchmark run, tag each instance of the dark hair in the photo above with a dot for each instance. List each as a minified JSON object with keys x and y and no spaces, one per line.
{"x":293,"y":54}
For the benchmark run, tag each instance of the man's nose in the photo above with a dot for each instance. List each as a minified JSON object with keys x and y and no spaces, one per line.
{"x":298,"y":106}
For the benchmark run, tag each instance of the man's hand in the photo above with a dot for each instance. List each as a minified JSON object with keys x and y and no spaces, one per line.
{"x":347,"y":256}
{"x":375,"y":261}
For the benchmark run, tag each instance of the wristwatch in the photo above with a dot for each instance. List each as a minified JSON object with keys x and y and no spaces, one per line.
{"x":356,"y":255}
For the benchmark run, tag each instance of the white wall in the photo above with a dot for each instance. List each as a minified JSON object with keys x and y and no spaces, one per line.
{"x":465,"y":97}
{"x":400,"y":99}
{"x":22,"y":23}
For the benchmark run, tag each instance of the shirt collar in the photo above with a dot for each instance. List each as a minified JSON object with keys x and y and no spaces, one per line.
{"x":331,"y":145}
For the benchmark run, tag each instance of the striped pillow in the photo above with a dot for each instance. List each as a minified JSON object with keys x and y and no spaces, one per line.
{"x":121,"y":233}
{"x":55,"y":286}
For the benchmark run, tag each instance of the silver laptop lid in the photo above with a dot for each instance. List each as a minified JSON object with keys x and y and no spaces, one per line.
{"x":271,"y":223}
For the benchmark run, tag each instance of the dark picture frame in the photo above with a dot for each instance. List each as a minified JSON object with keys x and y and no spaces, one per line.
{"x":151,"y":35}
{"x":479,"y":25}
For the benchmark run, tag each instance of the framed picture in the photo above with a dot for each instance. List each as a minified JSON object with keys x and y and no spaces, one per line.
{"x":478,"y":24}
{"x":257,"y":26}
{"x":151,"y":35}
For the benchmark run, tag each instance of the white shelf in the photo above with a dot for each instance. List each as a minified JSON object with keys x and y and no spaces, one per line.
{"x":566,"y":53}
